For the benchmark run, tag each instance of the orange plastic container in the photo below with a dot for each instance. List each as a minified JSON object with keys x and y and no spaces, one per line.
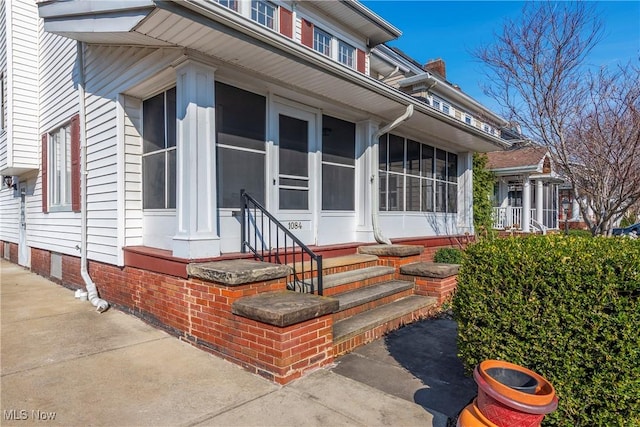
{"x":505,"y":406}
{"x":472,"y":417}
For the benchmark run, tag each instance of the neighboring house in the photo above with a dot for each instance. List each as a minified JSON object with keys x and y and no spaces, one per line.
{"x":528,"y":192}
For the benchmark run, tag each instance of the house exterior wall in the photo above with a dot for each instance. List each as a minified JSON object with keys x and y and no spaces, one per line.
{"x":114,"y":145}
{"x":19,"y":60}
{"x":117,"y":79}
{"x":3,"y":72}
{"x":58,"y":102}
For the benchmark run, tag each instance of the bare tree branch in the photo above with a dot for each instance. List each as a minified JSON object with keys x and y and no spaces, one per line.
{"x":589,"y":121}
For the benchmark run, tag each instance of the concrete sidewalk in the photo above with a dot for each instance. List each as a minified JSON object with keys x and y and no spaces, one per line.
{"x":65,"y":364}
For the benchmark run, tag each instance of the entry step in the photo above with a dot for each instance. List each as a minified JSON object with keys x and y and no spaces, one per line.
{"x":369,"y":320}
{"x":371,"y":293}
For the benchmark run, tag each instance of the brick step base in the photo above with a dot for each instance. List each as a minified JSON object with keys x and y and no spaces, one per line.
{"x":370,"y":325}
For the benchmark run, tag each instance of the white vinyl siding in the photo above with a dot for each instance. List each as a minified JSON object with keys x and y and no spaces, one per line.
{"x":55,"y":231}
{"x":3,"y":75}
{"x":19,"y":60}
{"x":110,"y":72}
{"x":132,"y":171}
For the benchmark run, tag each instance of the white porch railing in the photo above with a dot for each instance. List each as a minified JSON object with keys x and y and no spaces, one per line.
{"x":507,"y":217}
{"x":510,"y":217}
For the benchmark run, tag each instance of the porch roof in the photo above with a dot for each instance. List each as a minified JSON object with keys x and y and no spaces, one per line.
{"x":521,"y":160}
{"x":220,"y":36}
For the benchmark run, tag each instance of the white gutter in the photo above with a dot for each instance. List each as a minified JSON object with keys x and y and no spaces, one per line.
{"x":375,"y":190}
{"x":100,"y":304}
{"x":451,"y":92}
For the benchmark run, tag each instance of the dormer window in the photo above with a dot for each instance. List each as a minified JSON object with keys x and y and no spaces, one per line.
{"x":346,"y":54}
{"x":264,"y":13}
{"x":322,"y":42}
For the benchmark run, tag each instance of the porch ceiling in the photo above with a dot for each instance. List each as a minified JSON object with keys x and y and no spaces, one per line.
{"x":233,"y":43}
{"x":277,"y":60}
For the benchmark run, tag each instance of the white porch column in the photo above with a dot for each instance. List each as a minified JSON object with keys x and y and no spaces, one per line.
{"x":539,"y":200}
{"x":196,"y":204}
{"x":366,"y":159}
{"x":526,"y":204}
{"x":465,"y":193}
{"x":575,"y":210}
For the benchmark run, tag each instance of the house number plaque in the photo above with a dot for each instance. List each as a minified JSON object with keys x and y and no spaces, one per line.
{"x":294,"y":225}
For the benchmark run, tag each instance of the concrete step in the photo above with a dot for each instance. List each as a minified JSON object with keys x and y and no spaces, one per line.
{"x":370,"y":297}
{"x":337,"y":283}
{"x":370,"y":325}
{"x":338,"y":264}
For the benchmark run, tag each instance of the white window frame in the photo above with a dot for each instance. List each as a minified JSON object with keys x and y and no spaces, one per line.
{"x":258,"y":13}
{"x":350,"y":60}
{"x":166,"y":150}
{"x":424,"y":178}
{"x":229,"y":4}
{"x":59,"y":160}
{"x":329,"y":38}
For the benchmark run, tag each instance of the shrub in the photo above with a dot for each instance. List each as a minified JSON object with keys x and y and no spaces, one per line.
{"x":568,"y":308}
{"x":448,"y":256}
{"x":580,"y":233}
{"x":483,"y":182}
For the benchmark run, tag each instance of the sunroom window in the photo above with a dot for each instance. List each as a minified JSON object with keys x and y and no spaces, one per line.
{"x":338,"y":164}
{"x":264,"y":13}
{"x":240,"y":143}
{"x":416,"y":176}
{"x":159,"y":151}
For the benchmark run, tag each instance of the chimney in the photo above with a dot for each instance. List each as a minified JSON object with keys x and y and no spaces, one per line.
{"x":436,"y":66}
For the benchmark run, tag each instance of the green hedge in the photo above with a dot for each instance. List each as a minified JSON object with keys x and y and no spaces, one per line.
{"x":566,"y":307}
{"x":448,"y":256}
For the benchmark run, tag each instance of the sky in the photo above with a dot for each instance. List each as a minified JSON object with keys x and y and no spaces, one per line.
{"x":451,"y":30}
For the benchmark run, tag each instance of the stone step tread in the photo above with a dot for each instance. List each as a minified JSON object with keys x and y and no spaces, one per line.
{"x":371,"y":293}
{"x":337,"y":279}
{"x":339,"y":261}
{"x":352,"y":326}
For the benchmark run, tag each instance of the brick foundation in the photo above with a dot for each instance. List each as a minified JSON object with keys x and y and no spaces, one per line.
{"x":442,"y":289}
{"x":199,"y":312}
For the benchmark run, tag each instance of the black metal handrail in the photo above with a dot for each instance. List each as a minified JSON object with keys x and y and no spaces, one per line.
{"x":291,"y":252}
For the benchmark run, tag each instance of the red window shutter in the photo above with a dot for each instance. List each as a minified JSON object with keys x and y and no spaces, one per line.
{"x":45,"y":177}
{"x":286,"y":22}
{"x":75,"y":163}
{"x":307,"y":33}
{"x":361,"y":61}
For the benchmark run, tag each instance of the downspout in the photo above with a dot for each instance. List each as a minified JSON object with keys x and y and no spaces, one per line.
{"x":100,"y":304}
{"x":375,"y":191}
